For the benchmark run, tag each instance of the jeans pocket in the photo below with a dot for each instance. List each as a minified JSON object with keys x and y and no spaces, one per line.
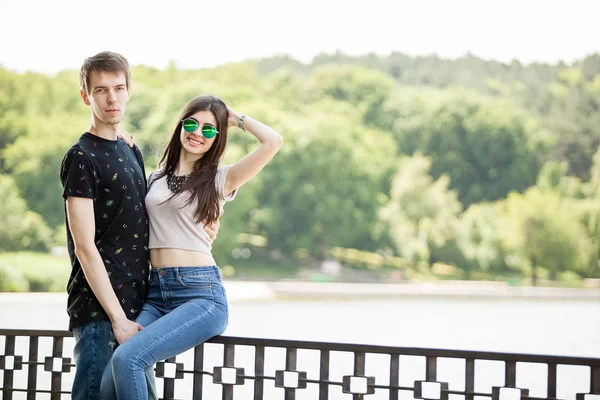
{"x":195,"y":281}
{"x":221,"y":297}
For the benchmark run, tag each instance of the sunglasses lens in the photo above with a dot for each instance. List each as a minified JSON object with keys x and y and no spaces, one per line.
{"x":190,"y":125}
{"x":209,"y":131}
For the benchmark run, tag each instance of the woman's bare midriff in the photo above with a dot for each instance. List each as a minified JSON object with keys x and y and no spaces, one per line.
{"x":160,"y":258}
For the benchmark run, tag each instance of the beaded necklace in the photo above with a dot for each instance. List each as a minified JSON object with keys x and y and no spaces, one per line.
{"x":175,"y":183}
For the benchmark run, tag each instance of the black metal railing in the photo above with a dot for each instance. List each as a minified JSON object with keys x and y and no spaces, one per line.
{"x":34,"y":362}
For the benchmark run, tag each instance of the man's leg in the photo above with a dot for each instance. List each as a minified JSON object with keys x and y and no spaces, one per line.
{"x":94,"y":345}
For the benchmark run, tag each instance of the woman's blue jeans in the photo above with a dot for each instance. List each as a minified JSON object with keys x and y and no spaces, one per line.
{"x":185,"y":307}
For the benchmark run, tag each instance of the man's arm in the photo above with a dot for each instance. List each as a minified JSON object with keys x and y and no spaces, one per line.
{"x":212,"y":229}
{"x":80,"y":213}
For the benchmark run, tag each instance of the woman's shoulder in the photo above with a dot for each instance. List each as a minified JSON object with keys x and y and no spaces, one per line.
{"x":154,"y":175}
{"x":224,"y":168}
{"x":222,"y":174}
{"x":220,"y":180}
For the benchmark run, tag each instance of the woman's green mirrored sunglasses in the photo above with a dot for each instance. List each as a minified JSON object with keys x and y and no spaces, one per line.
{"x":191,"y":125}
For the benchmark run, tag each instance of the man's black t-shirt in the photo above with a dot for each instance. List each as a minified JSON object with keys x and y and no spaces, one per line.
{"x":112,"y":174}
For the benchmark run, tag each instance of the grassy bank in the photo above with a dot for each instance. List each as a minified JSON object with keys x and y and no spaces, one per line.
{"x":33,"y":272}
{"x":42,"y":272}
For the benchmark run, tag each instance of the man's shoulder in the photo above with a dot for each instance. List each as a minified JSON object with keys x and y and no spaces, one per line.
{"x":131,"y":149}
{"x":80,"y":147}
{"x":79,"y":153}
{"x":76,"y":157}
{"x":77,"y":150}
{"x":137,"y":149}
{"x":138,"y":153}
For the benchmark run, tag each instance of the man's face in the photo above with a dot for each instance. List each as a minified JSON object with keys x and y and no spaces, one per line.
{"x":108,"y":95}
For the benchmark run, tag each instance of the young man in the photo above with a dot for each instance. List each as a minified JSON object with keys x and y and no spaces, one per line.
{"x":104,"y":184}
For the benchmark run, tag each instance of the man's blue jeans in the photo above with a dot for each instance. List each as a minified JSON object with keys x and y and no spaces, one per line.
{"x":188,"y":306}
{"x":94,"y":345}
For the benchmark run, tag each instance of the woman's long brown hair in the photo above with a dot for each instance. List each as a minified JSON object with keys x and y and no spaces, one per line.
{"x":202,"y":180}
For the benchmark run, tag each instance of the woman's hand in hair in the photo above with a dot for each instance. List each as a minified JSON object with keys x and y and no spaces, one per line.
{"x":233,"y":117}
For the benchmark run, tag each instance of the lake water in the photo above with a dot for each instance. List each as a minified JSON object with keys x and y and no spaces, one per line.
{"x":554,"y":327}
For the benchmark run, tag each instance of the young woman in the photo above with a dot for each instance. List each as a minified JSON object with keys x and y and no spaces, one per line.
{"x":186,"y":303}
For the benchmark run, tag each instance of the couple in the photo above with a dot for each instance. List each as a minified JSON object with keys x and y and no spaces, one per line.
{"x":125,"y":316}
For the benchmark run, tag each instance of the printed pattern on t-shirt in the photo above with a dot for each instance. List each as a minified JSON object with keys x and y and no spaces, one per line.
{"x":112,"y":175}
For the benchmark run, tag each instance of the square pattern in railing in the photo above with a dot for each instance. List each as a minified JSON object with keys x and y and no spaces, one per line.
{"x":239,"y":368}
{"x":36,"y":366}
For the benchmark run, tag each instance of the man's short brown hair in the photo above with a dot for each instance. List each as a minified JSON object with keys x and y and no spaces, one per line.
{"x":107,"y":61}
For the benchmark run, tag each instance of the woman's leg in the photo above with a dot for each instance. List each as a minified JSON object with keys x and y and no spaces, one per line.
{"x":190,"y":324}
{"x":146,"y":317}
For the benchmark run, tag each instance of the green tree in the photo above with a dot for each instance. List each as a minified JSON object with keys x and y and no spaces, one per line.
{"x":544,"y":229}
{"x":481,"y":240}
{"x":322,"y":190}
{"x":486,"y":147}
{"x":34,"y":161}
{"x":422,"y":213}
{"x":364,"y":88}
{"x":20,"y":229}
{"x":554,"y":176}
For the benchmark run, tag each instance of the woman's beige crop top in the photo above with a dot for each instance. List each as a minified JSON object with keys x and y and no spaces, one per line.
{"x":172,"y":223}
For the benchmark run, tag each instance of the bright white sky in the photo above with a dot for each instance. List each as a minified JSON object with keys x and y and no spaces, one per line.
{"x":47,"y":36}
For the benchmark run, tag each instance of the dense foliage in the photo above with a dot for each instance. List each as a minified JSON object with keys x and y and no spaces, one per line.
{"x":490,"y":169}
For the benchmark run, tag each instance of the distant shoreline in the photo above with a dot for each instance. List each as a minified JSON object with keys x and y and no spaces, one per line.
{"x":447,"y":289}
{"x":298,"y":290}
